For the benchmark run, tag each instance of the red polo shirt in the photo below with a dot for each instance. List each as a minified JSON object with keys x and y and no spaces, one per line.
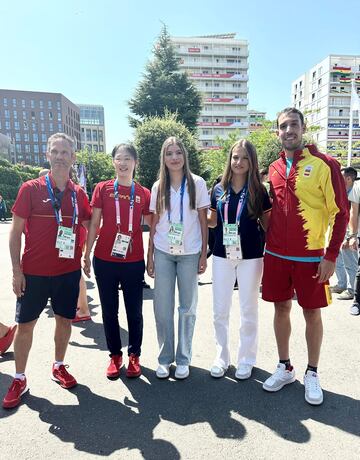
{"x":33,"y":203}
{"x":103,"y":198}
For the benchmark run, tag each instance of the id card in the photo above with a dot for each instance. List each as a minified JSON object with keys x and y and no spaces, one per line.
{"x":230,"y":234}
{"x":121,"y":245}
{"x":63,"y":237}
{"x":175,"y":235}
{"x":176,"y":250}
{"x":234,"y":252}
{"x":68,"y":249}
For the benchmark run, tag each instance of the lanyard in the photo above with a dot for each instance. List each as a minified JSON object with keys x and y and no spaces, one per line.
{"x":117,"y":205}
{"x":56,"y":204}
{"x":182,"y":191}
{"x":239,"y":209}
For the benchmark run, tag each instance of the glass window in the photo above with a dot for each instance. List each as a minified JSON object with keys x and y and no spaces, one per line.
{"x":101,"y":148}
{"x":26,"y":125}
{"x":41,"y":104}
{"x":59,"y":116}
{"x":50,"y":115}
{"x":17,"y":125}
{"x":24,"y":115}
{"x":5,"y":101}
{"x":88,"y":135}
{"x":32,"y":104}
{"x":43,"y":137}
{"x":18,"y":148}
{"x":51,"y":127}
{"x":18,"y":137}
{"x":35,"y":137}
{"x":60,"y":127}
{"x":41,"y":115}
{"x":33,"y":126}
{"x":49,"y":104}
{"x":94,"y":135}
{"x":42,"y":126}
{"x":33,"y":115}
{"x":7,"y":124}
{"x":14,"y":102}
{"x":23,"y":103}
{"x":58,"y":106}
{"x":26,"y":137}
{"x":7,"y":113}
{"x":15,"y":114}
{"x":36,"y":159}
{"x":36,"y":148}
{"x":43,"y":148}
{"x":27,"y":148}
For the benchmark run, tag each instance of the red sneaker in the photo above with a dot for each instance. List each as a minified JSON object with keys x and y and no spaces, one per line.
{"x":7,"y":340}
{"x":62,"y":376}
{"x":134,"y":369}
{"x":113,"y":370}
{"x":13,"y":396}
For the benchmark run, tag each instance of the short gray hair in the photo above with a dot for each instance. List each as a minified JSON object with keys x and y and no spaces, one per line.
{"x":63,"y":136}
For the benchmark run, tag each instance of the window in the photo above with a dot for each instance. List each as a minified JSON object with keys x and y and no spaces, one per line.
{"x":14,"y":102}
{"x":58,"y":106}
{"x":23,"y":103}
{"x":59,"y":116}
{"x":27,"y":148}
{"x":26,"y":125}
{"x":24,"y":115}
{"x":15,"y":114}
{"x":42,"y":126}
{"x":314,"y":75}
{"x":41,"y":115}
{"x":26,"y":137}
{"x":50,"y":116}
{"x":33,"y":126}
{"x":95,"y":147}
{"x":59,"y":127}
{"x":41,"y":103}
{"x":319,"y":81}
{"x":5,"y":102}
{"x":35,"y":137}
{"x":18,"y":137}
{"x":7,"y":113}
{"x":32,"y":104}
{"x":88,"y":135}
{"x":101,"y":148}
{"x":7,"y":124}
{"x":43,"y":137}
{"x":49,"y":104}
{"x":313,"y":96}
{"x":94,"y":135}
{"x":36,"y":148}
{"x":51,"y":127}
{"x":33,"y":115}
{"x":17,"y":125}
{"x":101,"y":137}
{"x":43,"y":148}
{"x":18,"y":148}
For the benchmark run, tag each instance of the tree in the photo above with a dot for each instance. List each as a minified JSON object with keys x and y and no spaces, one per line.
{"x":164,"y":88}
{"x":150,"y":136}
{"x":99,"y":167}
{"x":266,"y":142}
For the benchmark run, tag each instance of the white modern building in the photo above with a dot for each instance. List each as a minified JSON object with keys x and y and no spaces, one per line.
{"x":218,"y":66}
{"x":323,"y":95}
{"x":92,"y":127}
{"x":256,"y":119}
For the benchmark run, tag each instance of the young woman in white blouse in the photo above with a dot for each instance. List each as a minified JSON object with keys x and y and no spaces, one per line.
{"x":177,"y":252}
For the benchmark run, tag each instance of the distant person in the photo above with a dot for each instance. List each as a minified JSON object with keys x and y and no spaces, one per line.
{"x":2,"y":209}
{"x":212,"y":232}
{"x":347,"y":260}
{"x":309,"y":198}
{"x":176,"y":254}
{"x":354,"y":235}
{"x":6,"y":337}
{"x":264,"y":178}
{"x":50,"y":266}
{"x":240,"y":207}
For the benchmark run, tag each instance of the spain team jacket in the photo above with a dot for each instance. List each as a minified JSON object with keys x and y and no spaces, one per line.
{"x":310,"y":206}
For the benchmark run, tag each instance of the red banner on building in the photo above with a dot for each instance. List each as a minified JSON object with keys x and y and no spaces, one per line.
{"x":194,"y":50}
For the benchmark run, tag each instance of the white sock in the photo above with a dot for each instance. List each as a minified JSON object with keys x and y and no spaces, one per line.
{"x":20,"y":376}
{"x":57,"y":364}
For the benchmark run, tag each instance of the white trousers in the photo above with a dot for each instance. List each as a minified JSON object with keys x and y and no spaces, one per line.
{"x":248,"y":274}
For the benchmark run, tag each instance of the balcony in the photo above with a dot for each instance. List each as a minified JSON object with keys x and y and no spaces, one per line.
{"x":218,"y":76}
{"x":213,"y":111}
{"x":218,"y":51}
{"x":226,"y":100}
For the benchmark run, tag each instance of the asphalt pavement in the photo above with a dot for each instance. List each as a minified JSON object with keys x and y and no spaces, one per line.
{"x":198,"y":418}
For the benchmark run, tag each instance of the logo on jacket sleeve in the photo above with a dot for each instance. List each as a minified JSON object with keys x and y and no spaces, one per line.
{"x":307,"y":171}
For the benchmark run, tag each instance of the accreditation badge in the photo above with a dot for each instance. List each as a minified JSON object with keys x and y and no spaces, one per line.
{"x":67,"y":251}
{"x":63,"y":237}
{"x":234,"y":251}
{"x":175,"y":238}
{"x":230,"y":234}
{"x":121,"y":245}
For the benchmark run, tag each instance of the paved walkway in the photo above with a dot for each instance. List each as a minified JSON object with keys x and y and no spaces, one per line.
{"x":199,"y":418}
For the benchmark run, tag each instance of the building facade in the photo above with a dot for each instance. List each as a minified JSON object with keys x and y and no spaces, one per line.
{"x":29,"y":118}
{"x":92,"y":127}
{"x":256,"y":119}
{"x":323,"y":94}
{"x":218,"y":66}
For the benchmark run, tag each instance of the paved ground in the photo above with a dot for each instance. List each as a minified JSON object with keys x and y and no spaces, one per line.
{"x":200,"y":418}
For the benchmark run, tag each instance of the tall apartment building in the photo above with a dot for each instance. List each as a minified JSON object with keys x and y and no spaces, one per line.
{"x":323,"y":94}
{"x":218,"y":66}
{"x":29,"y":118}
{"x":92,"y":127}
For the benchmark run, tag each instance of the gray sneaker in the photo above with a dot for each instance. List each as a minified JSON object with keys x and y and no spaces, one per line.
{"x":355,"y":309}
{"x":279,"y":379}
{"x":337,"y":289}
{"x":346,"y":295}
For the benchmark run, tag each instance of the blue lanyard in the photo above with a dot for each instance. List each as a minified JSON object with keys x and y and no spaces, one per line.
{"x":240,"y":205}
{"x":56,"y":204}
{"x":182,"y":191}
{"x":117,"y":205}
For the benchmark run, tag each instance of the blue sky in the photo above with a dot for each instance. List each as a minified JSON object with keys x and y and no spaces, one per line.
{"x":95,"y":51}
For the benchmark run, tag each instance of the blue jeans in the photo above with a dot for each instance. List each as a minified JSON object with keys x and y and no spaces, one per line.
{"x":345,"y":269}
{"x":168,"y":268}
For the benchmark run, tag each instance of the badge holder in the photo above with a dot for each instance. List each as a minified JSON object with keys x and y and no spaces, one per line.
{"x":175,"y":239}
{"x":120,"y":246}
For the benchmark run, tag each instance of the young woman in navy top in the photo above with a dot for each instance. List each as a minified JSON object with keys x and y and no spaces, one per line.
{"x":239,"y":211}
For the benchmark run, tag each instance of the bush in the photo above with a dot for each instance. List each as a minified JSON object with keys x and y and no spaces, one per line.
{"x":150,"y":136}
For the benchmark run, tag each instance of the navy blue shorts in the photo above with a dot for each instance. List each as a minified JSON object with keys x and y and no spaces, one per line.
{"x":62,"y":290}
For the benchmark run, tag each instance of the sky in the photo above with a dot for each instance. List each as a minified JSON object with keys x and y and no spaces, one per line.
{"x":94,"y":52}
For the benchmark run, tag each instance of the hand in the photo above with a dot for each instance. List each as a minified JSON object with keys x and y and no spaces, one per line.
{"x":345,"y":244}
{"x":325,"y":270}
{"x":19,"y":283}
{"x":86,"y":265}
{"x":202,"y":264}
{"x":150,"y":267}
{"x":353,"y":243}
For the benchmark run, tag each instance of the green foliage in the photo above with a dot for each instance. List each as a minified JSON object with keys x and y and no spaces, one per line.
{"x":149,"y":137}
{"x":267,"y":144}
{"x":164,"y":88}
{"x":27,"y":172}
{"x":99,"y":166}
{"x":10,"y":181}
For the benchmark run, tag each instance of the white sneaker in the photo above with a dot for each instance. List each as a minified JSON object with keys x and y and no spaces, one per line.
{"x":182,"y":372}
{"x":243,"y":372}
{"x":163,"y":371}
{"x":280,"y":378}
{"x":313,"y":391}
{"x":217,"y":371}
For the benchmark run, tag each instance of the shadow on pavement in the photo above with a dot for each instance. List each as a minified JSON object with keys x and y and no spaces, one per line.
{"x":101,"y":426}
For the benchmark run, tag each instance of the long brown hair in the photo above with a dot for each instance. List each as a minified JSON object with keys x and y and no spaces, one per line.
{"x":255,"y":187}
{"x":163,"y":196}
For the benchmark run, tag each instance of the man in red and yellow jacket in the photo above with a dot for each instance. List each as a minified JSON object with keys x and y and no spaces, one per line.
{"x":309,"y":207}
